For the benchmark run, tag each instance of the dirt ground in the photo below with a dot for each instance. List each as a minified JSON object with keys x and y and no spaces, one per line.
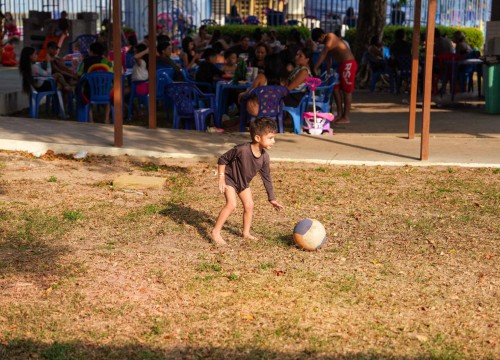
{"x":410,"y":269}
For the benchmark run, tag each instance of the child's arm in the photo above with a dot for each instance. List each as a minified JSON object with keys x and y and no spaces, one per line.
{"x":276,"y":205}
{"x":138,"y":56}
{"x":330,"y":44}
{"x":265,"y":174}
{"x":298,"y":80}
{"x":222,"y":177}
{"x":260,"y":80}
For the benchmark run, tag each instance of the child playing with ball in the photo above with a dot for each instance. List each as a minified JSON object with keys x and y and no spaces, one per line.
{"x":237,"y":167}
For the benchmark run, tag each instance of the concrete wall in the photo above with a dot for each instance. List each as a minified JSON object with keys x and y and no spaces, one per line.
{"x":13,"y":102}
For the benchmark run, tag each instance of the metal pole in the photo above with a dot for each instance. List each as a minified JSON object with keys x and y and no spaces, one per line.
{"x":426,"y":107}
{"x":414,"y":70}
{"x":117,"y":70}
{"x":152,"y":63}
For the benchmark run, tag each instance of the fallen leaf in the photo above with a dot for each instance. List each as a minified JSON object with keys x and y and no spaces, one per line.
{"x":278,"y":272}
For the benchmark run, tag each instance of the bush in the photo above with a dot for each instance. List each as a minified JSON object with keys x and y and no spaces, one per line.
{"x":474,"y":37}
{"x":282,"y":31}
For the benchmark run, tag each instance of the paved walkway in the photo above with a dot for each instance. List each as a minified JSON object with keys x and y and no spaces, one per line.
{"x":461,"y":135}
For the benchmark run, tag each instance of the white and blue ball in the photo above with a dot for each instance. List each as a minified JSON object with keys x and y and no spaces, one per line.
{"x":309,"y":234}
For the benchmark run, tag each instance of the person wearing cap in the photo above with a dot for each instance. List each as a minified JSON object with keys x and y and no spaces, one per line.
{"x":59,"y":66}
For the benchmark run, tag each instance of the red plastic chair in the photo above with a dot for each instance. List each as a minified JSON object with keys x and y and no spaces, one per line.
{"x":444,"y":65}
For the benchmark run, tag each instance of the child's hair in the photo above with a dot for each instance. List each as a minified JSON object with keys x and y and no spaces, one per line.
{"x":208,"y":53}
{"x":316,"y":34}
{"x":140,"y":47}
{"x":162,"y":46}
{"x":218,"y":47}
{"x":228,"y":53}
{"x":216,"y":36}
{"x":97,"y":48}
{"x":274,"y":70}
{"x":262,"y":126}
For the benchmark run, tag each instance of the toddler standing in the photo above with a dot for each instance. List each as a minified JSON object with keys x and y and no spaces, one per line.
{"x":237,"y":167}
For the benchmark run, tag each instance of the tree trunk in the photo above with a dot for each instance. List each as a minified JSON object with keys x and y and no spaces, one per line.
{"x":371,"y":22}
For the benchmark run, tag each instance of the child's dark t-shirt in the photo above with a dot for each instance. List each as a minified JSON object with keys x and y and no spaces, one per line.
{"x":242,"y":166}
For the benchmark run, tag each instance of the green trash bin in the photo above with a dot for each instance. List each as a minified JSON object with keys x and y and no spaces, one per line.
{"x":492,"y":88}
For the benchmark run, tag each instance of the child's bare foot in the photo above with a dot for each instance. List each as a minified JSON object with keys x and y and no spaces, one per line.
{"x":249,"y":237}
{"x":217,"y":239}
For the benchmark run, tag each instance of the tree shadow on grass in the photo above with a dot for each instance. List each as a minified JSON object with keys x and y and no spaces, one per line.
{"x":28,"y":245}
{"x":27,"y":349}
{"x":37,"y":261}
{"x":200,"y":220}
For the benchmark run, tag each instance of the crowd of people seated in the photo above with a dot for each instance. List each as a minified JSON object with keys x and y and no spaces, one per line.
{"x":385,"y":61}
{"x":207,"y":58}
{"x":210,"y":58}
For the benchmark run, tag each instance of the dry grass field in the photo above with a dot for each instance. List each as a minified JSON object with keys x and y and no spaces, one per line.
{"x":410,"y":269}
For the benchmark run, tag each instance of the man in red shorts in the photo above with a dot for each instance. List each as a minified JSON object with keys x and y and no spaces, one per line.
{"x":336,"y":47}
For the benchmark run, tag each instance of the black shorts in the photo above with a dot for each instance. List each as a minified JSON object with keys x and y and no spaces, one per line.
{"x":293,"y":99}
{"x":46,"y":86}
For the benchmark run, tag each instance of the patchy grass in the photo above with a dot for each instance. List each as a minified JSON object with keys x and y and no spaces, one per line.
{"x":72,"y":215}
{"x":410,"y":268}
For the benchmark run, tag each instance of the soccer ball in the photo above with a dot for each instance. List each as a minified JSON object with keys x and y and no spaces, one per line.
{"x":309,"y":234}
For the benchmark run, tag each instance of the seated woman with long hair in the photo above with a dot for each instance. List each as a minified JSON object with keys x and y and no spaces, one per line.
{"x":262,"y":50}
{"x":273,"y":75}
{"x":189,"y":56}
{"x":296,"y":79}
{"x":35,"y":76}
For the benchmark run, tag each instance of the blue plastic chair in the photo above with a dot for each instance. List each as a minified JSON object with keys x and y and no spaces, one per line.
{"x":53,"y":94}
{"x":271,"y":104}
{"x":100,"y":84}
{"x":162,"y":79}
{"x":84,"y":42}
{"x":190,"y":104}
{"x":297,"y":112}
{"x":323,"y":94}
{"x":169,"y":70}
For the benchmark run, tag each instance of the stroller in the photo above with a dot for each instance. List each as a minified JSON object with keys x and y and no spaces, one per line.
{"x":316,"y":123}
